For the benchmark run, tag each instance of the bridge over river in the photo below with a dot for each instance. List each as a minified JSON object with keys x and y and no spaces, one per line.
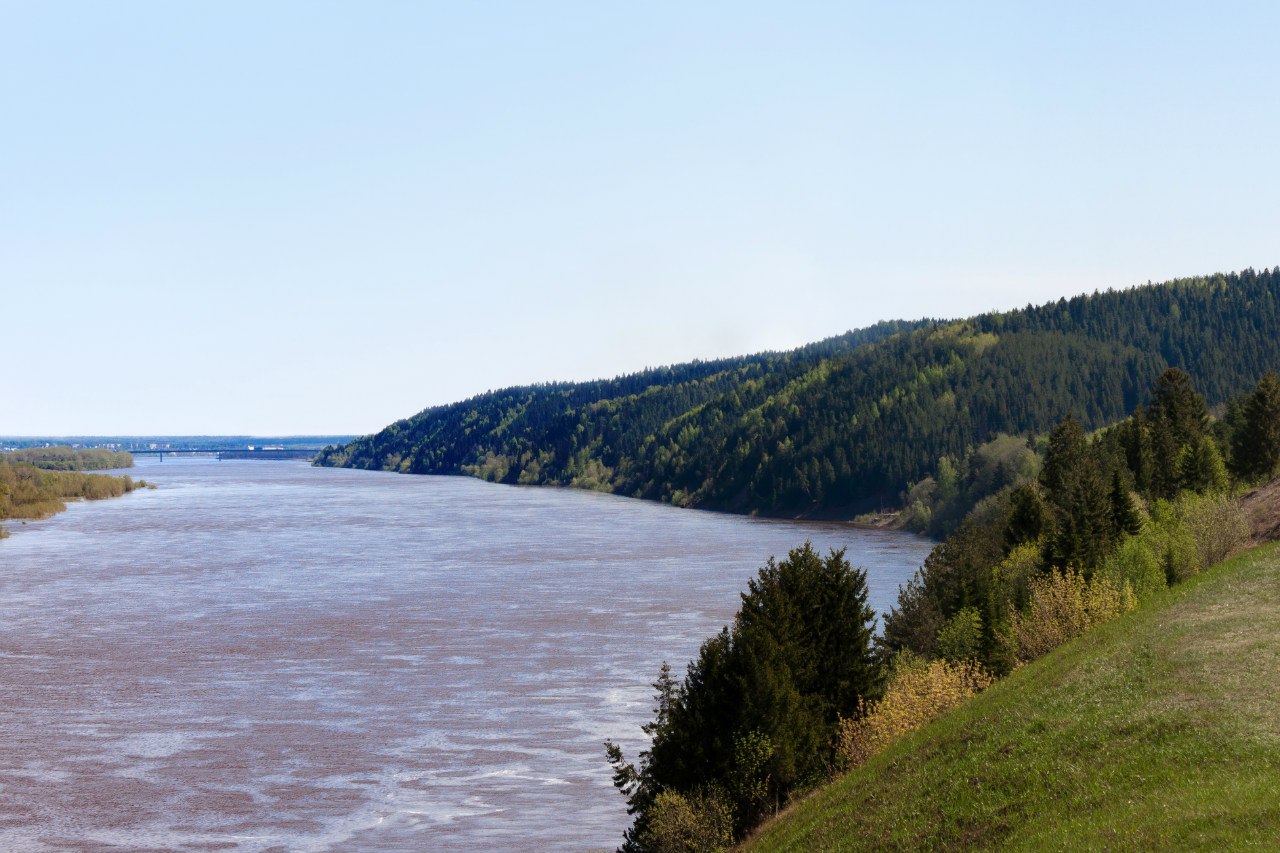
{"x":232,"y":452}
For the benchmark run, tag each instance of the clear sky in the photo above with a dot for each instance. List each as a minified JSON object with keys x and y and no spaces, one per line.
{"x":319,"y":217}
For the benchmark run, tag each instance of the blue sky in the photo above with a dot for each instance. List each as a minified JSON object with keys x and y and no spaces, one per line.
{"x":320,"y":217}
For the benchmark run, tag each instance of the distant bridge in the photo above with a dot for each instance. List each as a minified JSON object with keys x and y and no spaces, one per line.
{"x":232,"y":452}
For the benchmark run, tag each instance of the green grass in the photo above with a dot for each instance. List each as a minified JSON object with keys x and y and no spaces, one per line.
{"x":1159,"y":730}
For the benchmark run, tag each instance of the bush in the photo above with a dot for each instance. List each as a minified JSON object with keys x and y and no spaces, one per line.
{"x":960,"y":637}
{"x":693,"y":823}
{"x":918,"y":692}
{"x":34,"y":493}
{"x":1012,"y":576}
{"x":1064,"y":606}
{"x":1136,"y":564}
{"x":1217,"y":523}
{"x":1171,"y":540}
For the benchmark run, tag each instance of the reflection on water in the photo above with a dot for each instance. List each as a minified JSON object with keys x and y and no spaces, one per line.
{"x":263,"y":656}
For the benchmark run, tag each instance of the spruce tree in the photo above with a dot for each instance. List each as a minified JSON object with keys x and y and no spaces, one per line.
{"x":1073,"y":480}
{"x":1201,"y":468}
{"x":1135,"y":439}
{"x":1124,"y":512}
{"x":1028,"y":516}
{"x":1176,"y":402}
{"x":1179,"y":419}
{"x":1063,"y":460}
{"x":1255,"y":448}
{"x":797,"y":658}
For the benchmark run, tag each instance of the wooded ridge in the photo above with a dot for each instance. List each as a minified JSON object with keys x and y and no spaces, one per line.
{"x":851,"y":422}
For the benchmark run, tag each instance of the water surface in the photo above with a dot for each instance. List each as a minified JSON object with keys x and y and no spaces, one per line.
{"x":263,"y":656}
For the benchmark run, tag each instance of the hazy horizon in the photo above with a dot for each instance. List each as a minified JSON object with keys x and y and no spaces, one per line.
{"x":584,"y":378}
{"x":318,"y":219}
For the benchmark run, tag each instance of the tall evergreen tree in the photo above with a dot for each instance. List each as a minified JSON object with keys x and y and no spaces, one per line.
{"x":1255,"y":448}
{"x":1135,"y":440}
{"x":1074,"y":482}
{"x":1201,"y":468}
{"x":1175,"y":401}
{"x":797,"y":658}
{"x":1124,"y":512}
{"x":1179,"y":419}
{"x":1028,"y":516}
{"x":1063,"y":460}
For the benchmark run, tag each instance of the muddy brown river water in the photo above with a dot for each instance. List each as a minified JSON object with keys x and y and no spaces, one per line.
{"x":263,"y":656}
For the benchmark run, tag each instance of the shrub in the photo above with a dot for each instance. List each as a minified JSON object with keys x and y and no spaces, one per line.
{"x":960,"y":637}
{"x":701,"y":822}
{"x":918,"y":692}
{"x":1136,"y":564}
{"x":1012,"y":576}
{"x":1171,"y":540}
{"x":1217,"y":523}
{"x":749,"y":780}
{"x":1063,"y":606}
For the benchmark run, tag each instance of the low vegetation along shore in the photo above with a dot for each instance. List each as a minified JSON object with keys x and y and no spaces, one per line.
{"x":36,"y":483}
{"x":1062,"y":667}
{"x":63,"y":458}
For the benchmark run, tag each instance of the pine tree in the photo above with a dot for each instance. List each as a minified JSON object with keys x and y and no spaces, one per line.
{"x":1063,"y":460}
{"x":796,"y":659}
{"x":1179,"y":419}
{"x":1028,"y":516}
{"x":1201,"y":468}
{"x":1124,"y":512}
{"x":1135,"y":439}
{"x":1074,"y":483}
{"x":638,"y":785}
{"x":1255,"y":448}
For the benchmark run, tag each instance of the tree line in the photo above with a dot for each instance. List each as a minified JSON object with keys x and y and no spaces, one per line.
{"x":1129,"y":502}
{"x":64,"y":458}
{"x":848,"y":423}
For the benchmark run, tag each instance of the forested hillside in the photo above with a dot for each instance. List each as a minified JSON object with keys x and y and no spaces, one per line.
{"x":851,"y":421}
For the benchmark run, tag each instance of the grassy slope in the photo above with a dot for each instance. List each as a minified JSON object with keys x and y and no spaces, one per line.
{"x":1158,"y":731}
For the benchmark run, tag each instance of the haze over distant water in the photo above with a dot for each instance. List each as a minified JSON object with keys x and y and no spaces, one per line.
{"x":296,"y":217}
{"x":265,"y":656}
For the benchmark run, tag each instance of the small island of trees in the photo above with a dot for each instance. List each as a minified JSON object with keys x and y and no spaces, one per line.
{"x":64,"y":458}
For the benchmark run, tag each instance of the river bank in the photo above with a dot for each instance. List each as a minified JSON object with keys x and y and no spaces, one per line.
{"x":31,"y":493}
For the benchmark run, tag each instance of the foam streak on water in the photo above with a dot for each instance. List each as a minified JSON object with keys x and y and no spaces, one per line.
{"x":263,"y":656}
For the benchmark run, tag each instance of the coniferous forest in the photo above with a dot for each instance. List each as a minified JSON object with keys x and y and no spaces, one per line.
{"x":849,"y":423}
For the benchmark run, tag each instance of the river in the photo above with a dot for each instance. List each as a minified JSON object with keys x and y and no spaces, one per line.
{"x":264,"y":656}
